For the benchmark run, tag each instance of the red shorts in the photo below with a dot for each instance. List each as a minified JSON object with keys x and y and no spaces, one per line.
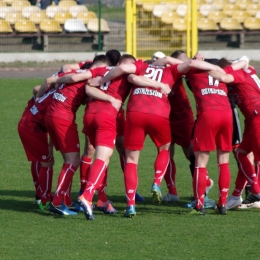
{"x":120,"y":123}
{"x":181,"y":130}
{"x":100,"y":129}
{"x":251,"y":137}
{"x":138,"y":125}
{"x":213,"y":129}
{"x":63,"y":134}
{"x":35,"y":142}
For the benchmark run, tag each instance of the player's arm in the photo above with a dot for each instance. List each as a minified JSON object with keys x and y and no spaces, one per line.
{"x":226,"y":78}
{"x":143,"y":81}
{"x":70,"y":67}
{"x":241,"y":63}
{"x":100,"y":95}
{"x":167,"y":60}
{"x":114,"y":73}
{"x":35,"y":90}
{"x":74,"y":78}
{"x":203,"y":65}
{"x":45,"y":85}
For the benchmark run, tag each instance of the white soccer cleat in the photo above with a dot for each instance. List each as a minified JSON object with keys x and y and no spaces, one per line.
{"x":209,"y":187}
{"x":233,"y":202}
{"x":170,"y":198}
{"x":254,"y":205}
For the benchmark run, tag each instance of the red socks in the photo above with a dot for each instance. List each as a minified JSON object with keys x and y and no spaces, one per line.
{"x":199,"y":185}
{"x":170,"y":177}
{"x":131,"y":182}
{"x":85,"y":164}
{"x":45,"y":183}
{"x":160,"y":166}
{"x":223,"y":183}
{"x":64,"y":182}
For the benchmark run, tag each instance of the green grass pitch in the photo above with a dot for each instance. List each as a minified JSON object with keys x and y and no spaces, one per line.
{"x":163,"y":231}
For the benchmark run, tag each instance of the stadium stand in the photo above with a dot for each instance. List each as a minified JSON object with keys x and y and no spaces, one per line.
{"x":36,"y":18}
{"x":240,"y":16}
{"x":230,"y":24}
{"x":206,"y":9}
{"x":228,"y":9}
{"x":86,"y":16}
{"x":252,"y":23}
{"x":61,"y":17}
{"x":93,"y":25}
{"x":217,"y":16}
{"x":206,"y":24}
{"x":66,"y":4}
{"x":243,"y":4}
{"x":2,"y":3}
{"x":76,"y":9}
{"x":25,"y":26}
{"x":50,"y":26}
{"x":19,"y":5}
{"x":6,"y":9}
{"x":158,"y":10}
{"x":5,"y":27}
{"x":74,"y":25}
{"x":12,"y":18}
{"x":220,"y":4}
{"x":252,"y":9}
{"x":28,"y":10}
{"x":52,"y":10}
{"x":179,"y":25}
{"x":181,"y":10}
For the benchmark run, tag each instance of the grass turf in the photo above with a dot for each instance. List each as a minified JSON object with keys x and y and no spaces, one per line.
{"x":163,"y":231}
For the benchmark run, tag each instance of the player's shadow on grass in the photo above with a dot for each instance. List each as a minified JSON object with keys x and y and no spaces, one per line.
{"x":18,"y":193}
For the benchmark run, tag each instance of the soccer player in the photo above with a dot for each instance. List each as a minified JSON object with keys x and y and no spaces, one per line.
{"x":147,"y":113}
{"x":244,"y":87}
{"x":61,"y":125}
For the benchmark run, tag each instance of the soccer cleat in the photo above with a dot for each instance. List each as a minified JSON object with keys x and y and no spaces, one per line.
{"x":106,"y":207}
{"x":44,"y":207}
{"x":62,"y":210}
{"x":209,"y":187}
{"x":170,"y":198}
{"x":200,"y":211}
{"x":130,"y":211}
{"x":233,"y":202}
{"x":75,"y":207}
{"x":222,"y":210}
{"x":157,"y":194}
{"x":209,"y":203}
{"x":139,"y":198}
{"x":254,"y":205}
{"x":87,"y":207}
{"x":251,"y":198}
{"x":37,"y":200}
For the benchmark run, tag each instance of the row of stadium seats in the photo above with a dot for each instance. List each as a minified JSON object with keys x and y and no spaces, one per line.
{"x":53,"y":26}
{"x":50,"y":11}
{"x":226,"y":24}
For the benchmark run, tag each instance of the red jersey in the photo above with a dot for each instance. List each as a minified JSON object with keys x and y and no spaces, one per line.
{"x":38,"y":110}
{"x":118,"y":88}
{"x":246,"y":91}
{"x":179,"y":101}
{"x":67,"y":99}
{"x":209,"y":93}
{"x":150,"y":100}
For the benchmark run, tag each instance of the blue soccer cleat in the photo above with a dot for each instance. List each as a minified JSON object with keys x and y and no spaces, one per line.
{"x":75,"y":207}
{"x":130,"y":211}
{"x":62,"y":210}
{"x":156,"y":193}
{"x":139,"y":198}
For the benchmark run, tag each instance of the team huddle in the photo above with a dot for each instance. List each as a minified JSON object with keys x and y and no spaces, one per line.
{"x":157,"y":106}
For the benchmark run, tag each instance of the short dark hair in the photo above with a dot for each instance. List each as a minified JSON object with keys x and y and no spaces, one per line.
{"x":212,"y":61}
{"x":86,"y":65}
{"x":114,"y":56}
{"x":177,"y":53}
{"x":222,"y":63}
{"x":127,"y":56}
{"x":101,"y":59}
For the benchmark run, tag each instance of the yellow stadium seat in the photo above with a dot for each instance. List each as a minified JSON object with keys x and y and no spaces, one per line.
{"x":12,"y":18}
{"x":228,"y":9}
{"x":217,"y":16}
{"x":240,"y":16}
{"x":62,"y":17}
{"x":5,"y":27}
{"x":5,"y":10}
{"x":158,"y":10}
{"x":86,"y":16}
{"x":169,"y":17}
{"x":206,"y":9}
{"x":66,"y":4}
{"x":25,"y":26}
{"x":252,"y":9}
{"x":38,"y":17}
{"x":219,"y":4}
{"x":53,"y":9}
{"x":173,"y":5}
{"x":181,"y":10}
{"x":19,"y":5}
{"x":252,"y":23}
{"x":243,"y":4}
{"x":148,"y":7}
{"x":28,"y":10}
{"x":50,"y":26}
{"x":207,"y":25}
{"x":179,"y":25}
{"x":93,"y":25}
{"x":2,"y":3}
{"x":230,"y":24}
{"x":75,"y":9}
